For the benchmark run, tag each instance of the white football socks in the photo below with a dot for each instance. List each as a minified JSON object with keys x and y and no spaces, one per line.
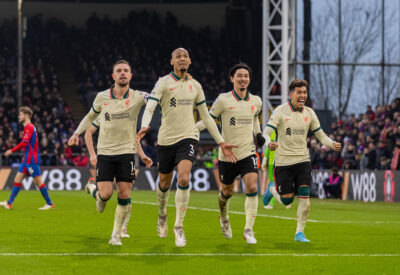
{"x":223,"y":203}
{"x":120,"y":214}
{"x":181,"y":202}
{"x":162,"y":201}
{"x":275,"y":193}
{"x":303,"y":210}
{"x":127,"y":218}
{"x":250,"y":207}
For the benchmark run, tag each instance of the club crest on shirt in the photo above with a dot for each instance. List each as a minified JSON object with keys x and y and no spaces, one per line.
{"x":306,"y":120}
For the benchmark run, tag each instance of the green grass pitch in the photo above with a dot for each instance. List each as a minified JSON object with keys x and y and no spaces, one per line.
{"x":347,"y":237}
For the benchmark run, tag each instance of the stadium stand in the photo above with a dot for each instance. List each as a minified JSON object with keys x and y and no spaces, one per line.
{"x":146,"y":40}
{"x":52,"y":117}
{"x":370,"y":140}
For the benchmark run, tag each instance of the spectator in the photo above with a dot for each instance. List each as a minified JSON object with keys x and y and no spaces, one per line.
{"x":82,"y":160}
{"x":364,"y":159}
{"x":395,"y":163}
{"x":382,"y":151}
{"x":384,"y":163}
{"x":349,"y":155}
{"x":323,"y":158}
{"x":332,"y":184}
{"x":371,"y":157}
{"x":314,"y":155}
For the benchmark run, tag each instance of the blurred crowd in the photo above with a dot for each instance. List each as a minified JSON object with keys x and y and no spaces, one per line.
{"x":147,"y":40}
{"x":52,"y":117}
{"x":370,"y":141}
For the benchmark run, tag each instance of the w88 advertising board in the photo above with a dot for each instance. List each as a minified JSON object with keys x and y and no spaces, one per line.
{"x":367,"y":186}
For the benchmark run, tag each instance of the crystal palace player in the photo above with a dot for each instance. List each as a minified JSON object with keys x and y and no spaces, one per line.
{"x":238,"y":112}
{"x":292,"y":172}
{"x":31,"y":161}
{"x":178,"y":95}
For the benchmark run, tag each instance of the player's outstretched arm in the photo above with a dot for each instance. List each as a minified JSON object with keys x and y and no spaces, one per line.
{"x":8,"y":152}
{"x":89,"y":144}
{"x":27,"y":135}
{"x":325,"y":140}
{"x":200,"y":125}
{"x":146,"y":119}
{"x":209,"y":123}
{"x":315,"y":127}
{"x":267,"y":136}
{"x":227,"y":149}
{"x":337,"y":146}
{"x":85,"y":123}
{"x":145,"y":159}
{"x":257,"y":132}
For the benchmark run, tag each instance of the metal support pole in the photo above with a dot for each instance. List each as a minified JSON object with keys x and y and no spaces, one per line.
{"x":265,"y":76}
{"x":383,"y":55}
{"x":285,"y":50}
{"x":19,"y":55}
{"x":340,"y":67}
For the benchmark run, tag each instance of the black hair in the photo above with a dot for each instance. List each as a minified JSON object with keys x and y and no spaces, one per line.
{"x":236,"y":67}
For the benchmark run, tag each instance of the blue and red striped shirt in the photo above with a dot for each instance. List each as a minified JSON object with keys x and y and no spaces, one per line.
{"x":30,"y":144}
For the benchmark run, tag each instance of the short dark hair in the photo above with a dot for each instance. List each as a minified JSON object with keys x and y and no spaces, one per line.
{"x":236,"y":67}
{"x":26,"y":110}
{"x":297,"y":83}
{"x":121,"y":61}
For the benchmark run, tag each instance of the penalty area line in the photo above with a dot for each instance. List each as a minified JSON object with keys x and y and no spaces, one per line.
{"x":202,"y":254}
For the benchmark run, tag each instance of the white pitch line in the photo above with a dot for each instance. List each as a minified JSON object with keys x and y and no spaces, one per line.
{"x":272,"y":216}
{"x":202,"y":254}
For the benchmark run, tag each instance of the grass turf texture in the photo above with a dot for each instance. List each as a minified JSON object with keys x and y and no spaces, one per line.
{"x":341,"y":228}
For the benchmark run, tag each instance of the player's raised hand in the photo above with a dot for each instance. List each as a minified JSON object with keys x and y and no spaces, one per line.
{"x":93,"y":160}
{"x":73,"y":140}
{"x":147,"y":161}
{"x":227,"y":151}
{"x":7,"y":153}
{"x":337,"y":146}
{"x":272,"y":146}
{"x":260,"y":140}
{"x":143,"y":131}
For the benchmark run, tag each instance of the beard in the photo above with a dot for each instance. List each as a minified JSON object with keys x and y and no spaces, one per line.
{"x":123,"y":85}
{"x":183,"y":70}
{"x":242,"y":89}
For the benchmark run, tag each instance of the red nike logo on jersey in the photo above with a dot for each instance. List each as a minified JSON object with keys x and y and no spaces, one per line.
{"x":105,"y":104}
{"x":171,"y":89}
{"x":287,"y":119}
{"x":230,"y":108}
